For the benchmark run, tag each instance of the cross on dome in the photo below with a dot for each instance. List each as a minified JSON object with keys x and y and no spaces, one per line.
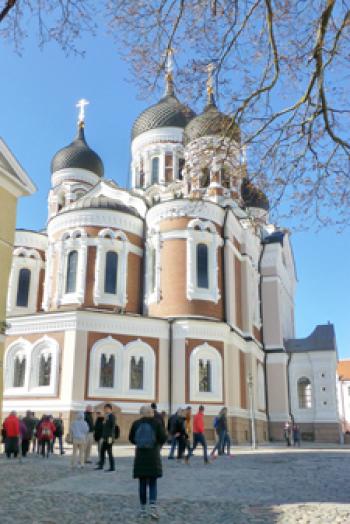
{"x":169,"y":67}
{"x":81,"y":106}
{"x":210,"y":82}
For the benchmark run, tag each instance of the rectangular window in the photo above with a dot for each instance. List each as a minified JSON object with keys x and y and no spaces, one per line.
{"x":168,"y":167}
{"x":111,"y":272}
{"x":202,"y":266}
{"x":23,"y":288}
{"x":181,"y":166}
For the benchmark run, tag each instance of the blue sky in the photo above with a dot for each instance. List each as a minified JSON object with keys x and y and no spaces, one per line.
{"x":38,"y":93}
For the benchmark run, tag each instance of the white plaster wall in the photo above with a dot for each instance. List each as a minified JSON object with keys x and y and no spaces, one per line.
{"x":320,"y":368}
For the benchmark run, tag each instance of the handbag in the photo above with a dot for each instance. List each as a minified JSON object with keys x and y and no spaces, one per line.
{"x":69,"y":438}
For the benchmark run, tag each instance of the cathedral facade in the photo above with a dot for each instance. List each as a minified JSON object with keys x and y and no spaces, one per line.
{"x":178,"y":291}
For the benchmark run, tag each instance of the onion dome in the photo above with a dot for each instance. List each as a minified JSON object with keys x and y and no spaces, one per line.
{"x":211,"y":123}
{"x":253,"y":196}
{"x":168,"y":112}
{"x":78,"y":155}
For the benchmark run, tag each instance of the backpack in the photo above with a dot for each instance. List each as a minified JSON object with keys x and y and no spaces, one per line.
{"x":145,"y":437}
{"x":46,"y":432}
{"x":216,"y":423}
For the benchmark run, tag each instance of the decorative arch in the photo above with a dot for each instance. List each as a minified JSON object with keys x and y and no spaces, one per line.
{"x":76,"y":240}
{"x":304,"y":387}
{"x":206,"y":374}
{"x":139,"y":352}
{"x":18,"y":351}
{"x":23,"y":288}
{"x":103,"y":351}
{"x":109,"y":349}
{"x":202,"y":225}
{"x":44,"y":366}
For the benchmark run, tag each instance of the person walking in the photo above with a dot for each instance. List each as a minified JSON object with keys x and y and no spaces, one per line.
{"x":27,"y":437}
{"x":35,"y":441}
{"x":148,"y":435}
{"x":157,"y":415}
{"x":198,"y":433}
{"x":79,"y":431}
{"x":12,"y":434}
{"x":180,"y":433}
{"x":221,"y":431}
{"x":188,"y":430}
{"x":296,"y":435}
{"x":59,"y":432}
{"x":90,"y":436}
{"x":108,"y":436}
{"x":98,"y":431}
{"x":46,"y":432}
{"x":287,"y":433}
{"x":172,"y":438}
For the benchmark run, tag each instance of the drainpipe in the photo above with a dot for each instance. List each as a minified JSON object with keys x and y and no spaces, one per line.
{"x":288,"y":383}
{"x":223,"y":271}
{"x":170,"y":365}
{"x":143,"y":270}
{"x":263,"y":344}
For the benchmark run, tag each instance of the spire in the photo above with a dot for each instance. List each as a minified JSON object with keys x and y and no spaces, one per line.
{"x":210,"y":85}
{"x":169,"y":66}
{"x":81,"y":116}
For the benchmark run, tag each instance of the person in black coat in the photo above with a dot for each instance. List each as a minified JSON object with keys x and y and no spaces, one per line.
{"x":148,"y":435}
{"x":98,"y":430}
{"x":108,"y":437}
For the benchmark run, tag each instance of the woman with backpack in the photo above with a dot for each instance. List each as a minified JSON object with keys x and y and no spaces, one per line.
{"x":220,"y":425}
{"x":148,"y":435}
{"x":45,"y":434}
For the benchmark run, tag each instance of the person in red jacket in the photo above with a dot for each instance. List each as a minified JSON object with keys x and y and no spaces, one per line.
{"x":198,"y":434}
{"x":45,"y":432}
{"x":11,"y":429}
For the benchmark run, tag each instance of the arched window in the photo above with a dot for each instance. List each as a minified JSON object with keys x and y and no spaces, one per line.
{"x":72,"y":265}
{"x":304,"y":393}
{"x":168,"y":167}
{"x":205,"y":177}
{"x":111,"y":272}
{"x":155,"y":170}
{"x":181,"y":166}
{"x":23,"y":288}
{"x":107,"y":366}
{"x":136,"y":373}
{"x":204,"y":379}
{"x":19,"y":371}
{"x":202,"y":266}
{"x":45,"y":363}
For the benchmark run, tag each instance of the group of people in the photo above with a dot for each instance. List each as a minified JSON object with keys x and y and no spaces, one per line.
{"x":19,"y":434}
{"x":180,"y":429}
{"x":292,"y":434}
{"x":148,"y":434}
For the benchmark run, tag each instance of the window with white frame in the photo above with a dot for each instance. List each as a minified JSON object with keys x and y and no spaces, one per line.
{"x":111,"y":272}
{"x":155,"y":170}
{"x":19,"y":370}
{"x":23,"y":287}
{"x":206,"y":374}
{"x":32,"y":369}
{"x":118,"y":371}
{"x":24,"y":281}
{"x":111,"y":268}
{"x":304,"y":393}
{"x":203,"y":243}
{"x":72,"y":254}
{"x":107,"y":369}
{"x":71,"y":271}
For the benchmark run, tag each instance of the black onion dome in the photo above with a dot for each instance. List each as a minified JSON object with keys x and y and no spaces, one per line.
{"x":252,"y":196}
{"x":211,"y":123}
{"x":168,"y":112}
{"x":79,"y":155}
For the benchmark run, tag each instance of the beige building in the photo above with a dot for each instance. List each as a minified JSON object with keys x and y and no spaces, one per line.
{"x":178,"y":291}
{"x":14,"y":183}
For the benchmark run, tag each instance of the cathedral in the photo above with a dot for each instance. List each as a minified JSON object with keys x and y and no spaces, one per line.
{"x":178,"y":291}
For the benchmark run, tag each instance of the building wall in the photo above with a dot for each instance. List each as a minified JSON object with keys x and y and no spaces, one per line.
{"x":7,"y":231}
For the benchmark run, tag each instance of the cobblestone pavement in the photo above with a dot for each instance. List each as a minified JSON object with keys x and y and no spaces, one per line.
{"x":264,"y":486}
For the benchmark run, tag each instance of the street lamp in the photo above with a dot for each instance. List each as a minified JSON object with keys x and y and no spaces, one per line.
{"x":252,"y":409}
